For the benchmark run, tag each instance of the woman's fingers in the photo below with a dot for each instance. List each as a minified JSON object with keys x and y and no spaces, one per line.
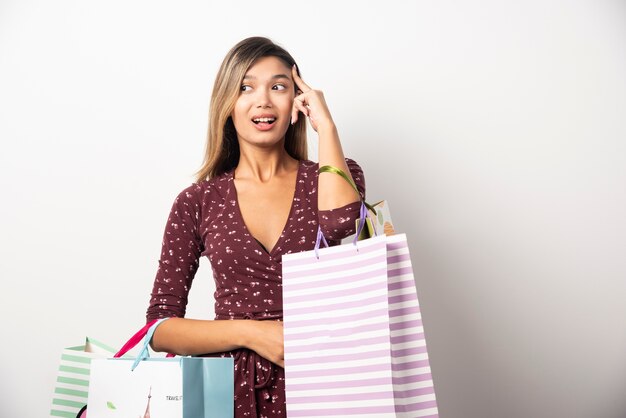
{"x":270,"y":344}
{"x":299,"y":83}
{"x":294,"y":114}
{"x":308,"y":101}
{"x":299,"y":100}
{"x":298,"y":106}
{"x":301,"y":105}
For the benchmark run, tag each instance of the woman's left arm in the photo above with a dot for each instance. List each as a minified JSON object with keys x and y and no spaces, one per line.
{"x":333,"y":191}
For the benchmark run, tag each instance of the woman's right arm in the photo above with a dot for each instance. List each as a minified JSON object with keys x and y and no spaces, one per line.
{"x":193,"y":336}
{"x":181,"y":250}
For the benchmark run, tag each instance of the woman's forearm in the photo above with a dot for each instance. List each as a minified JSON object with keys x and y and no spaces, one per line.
{"x":333,"y":190}
{"x":193,"y":337}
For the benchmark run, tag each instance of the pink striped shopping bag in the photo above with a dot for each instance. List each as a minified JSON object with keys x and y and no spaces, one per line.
{"x":354,"y":341}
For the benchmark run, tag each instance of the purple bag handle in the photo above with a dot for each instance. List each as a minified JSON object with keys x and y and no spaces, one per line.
{"x":362,"y":220}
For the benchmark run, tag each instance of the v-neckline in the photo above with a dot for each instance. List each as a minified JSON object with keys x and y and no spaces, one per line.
{"x":287,"y":221}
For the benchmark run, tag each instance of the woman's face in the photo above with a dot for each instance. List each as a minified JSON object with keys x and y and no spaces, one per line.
{"x":262,"y":112}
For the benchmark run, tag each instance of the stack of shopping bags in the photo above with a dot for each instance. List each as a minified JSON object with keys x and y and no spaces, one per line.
{"x":112,"y":385}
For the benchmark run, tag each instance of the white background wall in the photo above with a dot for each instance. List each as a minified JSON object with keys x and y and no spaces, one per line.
{"x":496,"y":130}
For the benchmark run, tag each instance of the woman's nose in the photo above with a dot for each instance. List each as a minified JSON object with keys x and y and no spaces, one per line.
{"x":263,"y":98}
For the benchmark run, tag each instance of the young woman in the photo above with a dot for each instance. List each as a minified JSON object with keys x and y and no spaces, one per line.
{"x":256,"y":198}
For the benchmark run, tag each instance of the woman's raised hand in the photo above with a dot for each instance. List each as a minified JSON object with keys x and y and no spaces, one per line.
{"x":311,"y":103}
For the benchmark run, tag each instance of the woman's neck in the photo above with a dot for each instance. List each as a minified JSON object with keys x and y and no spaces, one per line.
{"x":262,"y":164}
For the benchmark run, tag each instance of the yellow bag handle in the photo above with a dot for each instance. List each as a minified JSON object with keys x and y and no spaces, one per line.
{"x":332,"y":169}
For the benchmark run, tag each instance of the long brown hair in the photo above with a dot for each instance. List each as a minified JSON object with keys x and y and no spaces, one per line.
{"x":222,"y":148}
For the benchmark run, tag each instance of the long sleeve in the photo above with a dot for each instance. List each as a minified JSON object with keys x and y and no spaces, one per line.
{"x":339,"y":223}
{"x":179,"y":260}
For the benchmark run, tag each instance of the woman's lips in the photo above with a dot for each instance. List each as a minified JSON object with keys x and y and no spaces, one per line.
{"x":264,"y":122}
{"x":264,"y":126}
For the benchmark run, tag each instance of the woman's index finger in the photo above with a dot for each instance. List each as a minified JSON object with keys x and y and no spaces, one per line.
{"x":299,"y":82}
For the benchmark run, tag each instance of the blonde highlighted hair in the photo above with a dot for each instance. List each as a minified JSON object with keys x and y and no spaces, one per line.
{"x":222,"y":148}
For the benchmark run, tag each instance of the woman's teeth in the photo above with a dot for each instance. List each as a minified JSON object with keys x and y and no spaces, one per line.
{"x":264,"y":120}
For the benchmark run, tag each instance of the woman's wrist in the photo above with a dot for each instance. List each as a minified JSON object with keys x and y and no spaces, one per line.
{"x":327,"y":131}
{"x":244,"y":333}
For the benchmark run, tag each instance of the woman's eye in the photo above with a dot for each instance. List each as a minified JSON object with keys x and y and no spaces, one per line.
{"x":279,"y":87}
{"x":245,"y":87}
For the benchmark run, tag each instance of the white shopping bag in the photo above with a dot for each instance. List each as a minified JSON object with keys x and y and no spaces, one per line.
{"x":153,"y":389}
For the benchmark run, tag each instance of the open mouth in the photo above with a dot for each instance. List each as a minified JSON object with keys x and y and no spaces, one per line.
{"x":264,"y":120}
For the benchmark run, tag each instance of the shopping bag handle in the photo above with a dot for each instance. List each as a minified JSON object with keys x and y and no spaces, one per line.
{"x":320,"y":238}
{"x":340,"y":172}
{"x":362,"y":213}
{"x":146,"y":334}
{"x":362,"y":221}
{"x":364,"y":205}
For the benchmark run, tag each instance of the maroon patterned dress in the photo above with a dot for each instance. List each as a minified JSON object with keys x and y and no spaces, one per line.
{"x":205,"y":220}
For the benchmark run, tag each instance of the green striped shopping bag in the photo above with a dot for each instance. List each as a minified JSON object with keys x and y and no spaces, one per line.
{"x":72,"y":384}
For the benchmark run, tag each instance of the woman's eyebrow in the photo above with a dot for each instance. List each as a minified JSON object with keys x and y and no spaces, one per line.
{"x":274,"y":77}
